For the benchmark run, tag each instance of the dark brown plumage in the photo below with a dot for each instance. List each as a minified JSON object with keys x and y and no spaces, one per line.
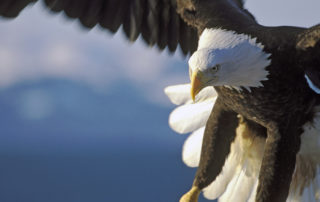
{"x":277,"y":111}
{"x":156,"y":21}
{"x":282,"y":106}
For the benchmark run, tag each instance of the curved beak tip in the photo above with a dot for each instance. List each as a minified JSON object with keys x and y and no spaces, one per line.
{"x":196,"y":85}
{"x":193,"y":94}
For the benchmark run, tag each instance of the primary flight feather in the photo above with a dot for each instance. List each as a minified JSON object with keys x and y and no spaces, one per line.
{"x":262,"y":117}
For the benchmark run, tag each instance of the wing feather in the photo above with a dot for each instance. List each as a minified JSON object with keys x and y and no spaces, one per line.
{"x":56,"y":5}
{"x":192,"y":148}
{"x":133,"y":20}
{"x":190,"y":116}
{"x":76,"y":8}
{"x":238,"y":180}
{"x":108,"y":11}
{"x":163,"y":24}
{"x":117,"y":16}
{"x":156,"y":20}
{"x":12,"y":8}
{"x":4,"y":7}
{"x":173,"y":30}
{"x":150,"y":33}
{"x":89,"y":16}
{"x":184,"y":37}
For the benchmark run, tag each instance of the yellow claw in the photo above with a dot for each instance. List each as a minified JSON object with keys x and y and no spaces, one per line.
{"x":191,"y":196}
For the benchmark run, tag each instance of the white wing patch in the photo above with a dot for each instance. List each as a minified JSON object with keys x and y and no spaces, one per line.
{"x":238,"y":179}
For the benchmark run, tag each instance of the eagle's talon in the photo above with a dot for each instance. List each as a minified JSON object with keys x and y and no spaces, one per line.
{"x":191,"y":196}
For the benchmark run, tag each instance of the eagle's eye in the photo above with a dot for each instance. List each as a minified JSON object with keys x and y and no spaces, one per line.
{"x":215,"y":68}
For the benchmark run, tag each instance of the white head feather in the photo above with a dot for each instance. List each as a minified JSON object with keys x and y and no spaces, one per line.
{"x":241,"y":59}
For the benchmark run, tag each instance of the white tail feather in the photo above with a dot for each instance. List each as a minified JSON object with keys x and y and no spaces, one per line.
{"x":219,"y":186}
{"x":239,"y":175}
{"x":192,"y":148}
{"x":238,"y":180}
{"x":179,"y":94}
{"x":190,"y":116}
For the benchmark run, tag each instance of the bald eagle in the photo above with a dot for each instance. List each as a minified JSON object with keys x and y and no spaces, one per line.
{"x":236,"y":62}
{"x":260,"y":139}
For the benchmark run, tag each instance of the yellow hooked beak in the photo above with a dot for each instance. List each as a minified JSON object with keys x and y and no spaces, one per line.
{"x":196,"y":84}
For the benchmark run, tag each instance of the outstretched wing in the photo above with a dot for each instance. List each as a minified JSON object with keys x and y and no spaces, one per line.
{"x":12,"y":8}
{"x":155,"y":20}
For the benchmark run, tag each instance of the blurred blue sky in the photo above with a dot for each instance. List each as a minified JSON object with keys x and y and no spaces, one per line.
{"x":83,"y":113}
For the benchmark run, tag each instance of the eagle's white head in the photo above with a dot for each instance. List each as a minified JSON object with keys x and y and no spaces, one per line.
{"x":225,"y":58}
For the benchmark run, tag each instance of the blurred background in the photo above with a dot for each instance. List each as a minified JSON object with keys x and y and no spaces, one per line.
{"x":83,"y":116}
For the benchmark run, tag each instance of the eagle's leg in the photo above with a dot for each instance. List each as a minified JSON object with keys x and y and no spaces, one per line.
{"x":219,"y":134}
{"x":278,"y":163}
